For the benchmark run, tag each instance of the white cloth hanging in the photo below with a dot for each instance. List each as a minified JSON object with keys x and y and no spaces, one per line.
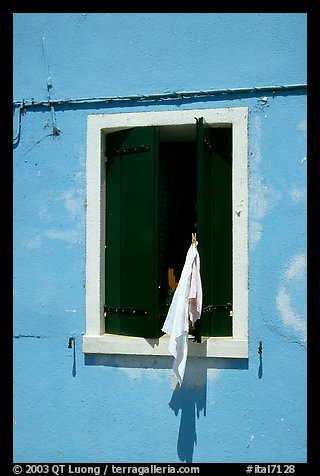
{"x":186,"y":302}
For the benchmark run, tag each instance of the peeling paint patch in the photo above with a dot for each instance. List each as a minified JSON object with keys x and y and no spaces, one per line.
{"x":255,"y":229}
{"x":302,"y":125}
{"x":262,"y":103}
{"x":288,"y":315}
{"x":74,"y":204}
{"x":33,"y":243}
{"x":214,"y":374}
{"x":70,"y":236}
{"x":263,"y":100}
{"x":297,"y":267}
{"x":43,"y":213}
{"x":294,"y":276}
{"x":251,"y":438}
{"x":298,"y":194}
{"x":71,"y":310}
{"x":263,"y":198}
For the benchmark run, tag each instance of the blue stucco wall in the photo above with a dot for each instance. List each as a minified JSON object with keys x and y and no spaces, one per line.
{"x":68,"y":408}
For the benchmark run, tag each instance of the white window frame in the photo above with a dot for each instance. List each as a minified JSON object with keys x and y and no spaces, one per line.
{"x":95,"y":339}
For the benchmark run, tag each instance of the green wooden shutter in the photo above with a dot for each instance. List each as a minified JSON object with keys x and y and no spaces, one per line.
{"x":214,"y":234}
{"x":131,"y":232}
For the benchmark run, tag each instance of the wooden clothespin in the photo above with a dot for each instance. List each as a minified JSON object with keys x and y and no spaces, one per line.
{"x":194,"y":239}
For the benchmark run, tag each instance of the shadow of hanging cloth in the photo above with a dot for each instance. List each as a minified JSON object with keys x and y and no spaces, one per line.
{"x":190,"y":398}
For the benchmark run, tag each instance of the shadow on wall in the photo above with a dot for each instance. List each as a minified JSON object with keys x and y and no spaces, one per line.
{"x":190,"y":398}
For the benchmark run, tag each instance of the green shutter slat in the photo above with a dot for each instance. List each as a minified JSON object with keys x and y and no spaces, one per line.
{"x":214,"y":232}
{"x":131,"y":234}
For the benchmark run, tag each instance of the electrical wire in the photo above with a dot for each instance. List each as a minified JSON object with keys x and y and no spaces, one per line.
{"x":25,"y":104}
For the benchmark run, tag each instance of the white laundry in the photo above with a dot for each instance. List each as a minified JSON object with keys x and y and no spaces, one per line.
{"x":186,"y":302}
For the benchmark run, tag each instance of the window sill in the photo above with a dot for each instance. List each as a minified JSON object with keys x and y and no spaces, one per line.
{"x":123,"y":345}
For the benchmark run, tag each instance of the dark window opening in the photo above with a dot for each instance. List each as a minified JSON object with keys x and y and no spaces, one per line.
{"x":177,"y":213}
{"x":162,"y":185}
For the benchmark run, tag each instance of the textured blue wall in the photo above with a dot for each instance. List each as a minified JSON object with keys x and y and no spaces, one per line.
{"x":68,"y":408}
{"x":118,"y":54}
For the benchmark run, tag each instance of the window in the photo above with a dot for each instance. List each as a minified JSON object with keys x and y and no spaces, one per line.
{"x":153,"y":179}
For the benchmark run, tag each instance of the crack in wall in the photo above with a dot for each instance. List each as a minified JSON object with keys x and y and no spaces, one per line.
{"x":20,"y":336}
